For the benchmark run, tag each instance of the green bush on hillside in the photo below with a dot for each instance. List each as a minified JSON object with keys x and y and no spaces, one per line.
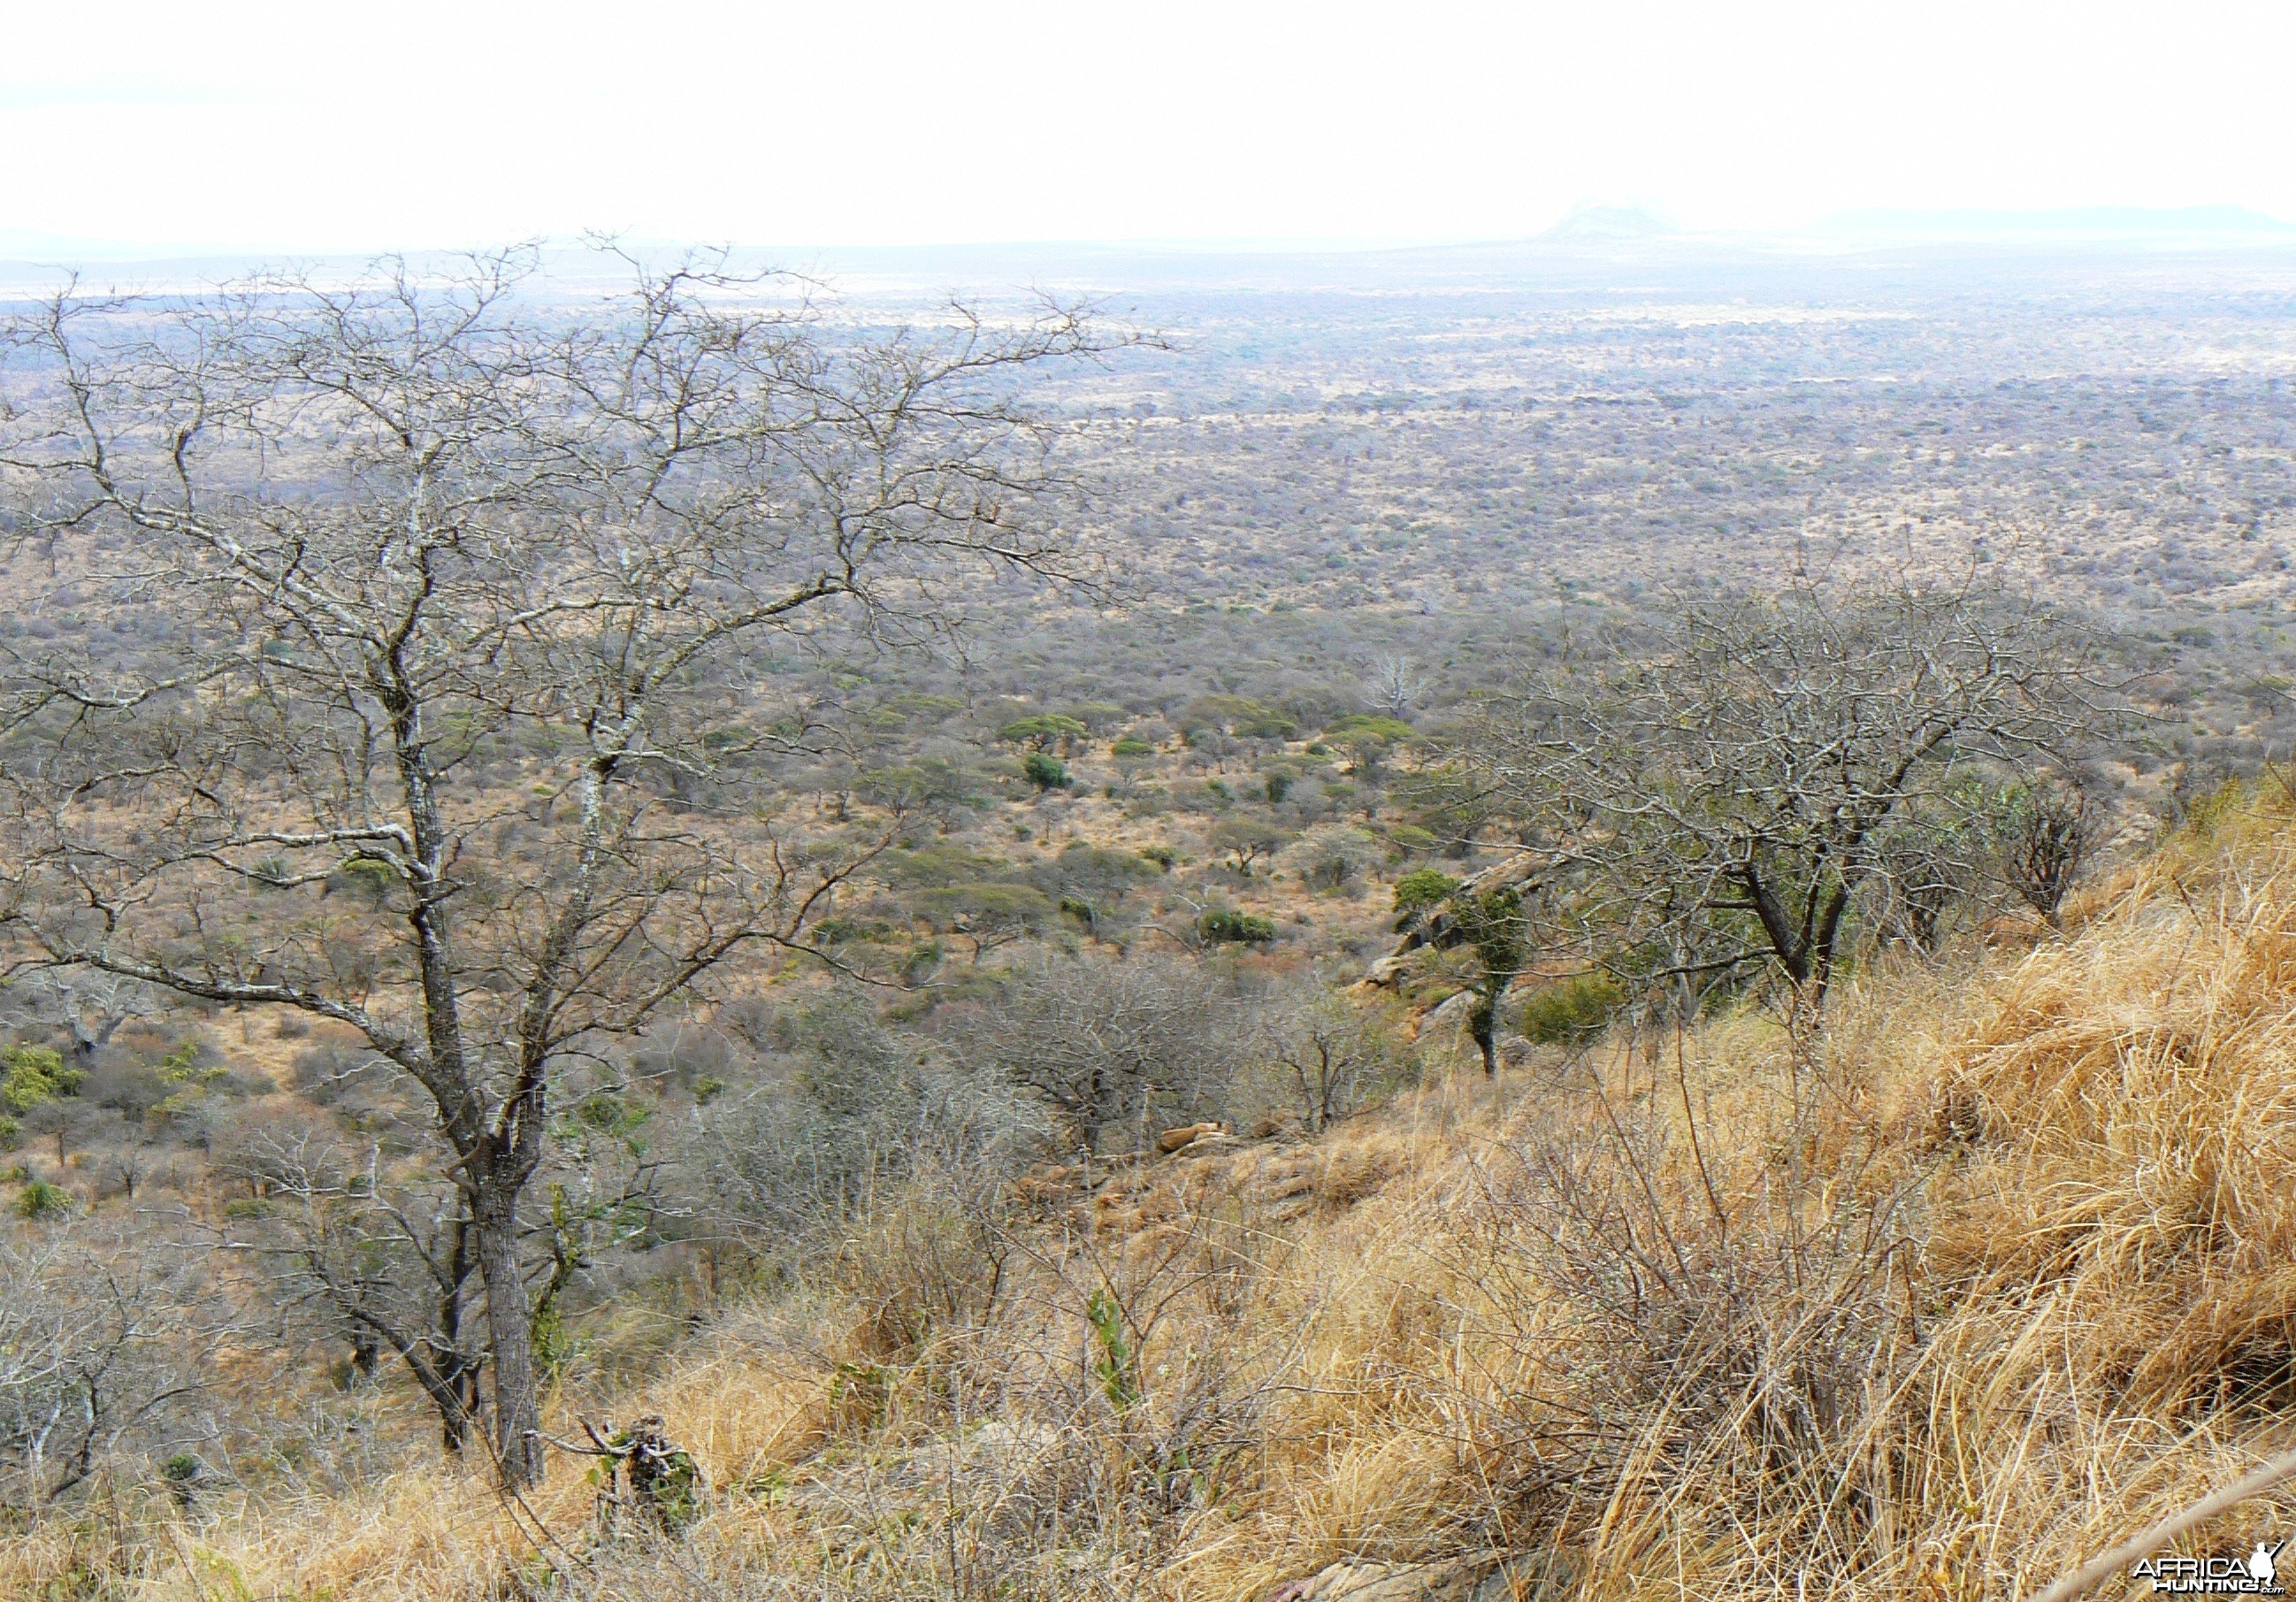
{"x":1041,"y":730}
{"x":1421,"y":889}
{"x":40,"y":1199}
{"x":1365,"y":729}
{"x":30,"y":1075}
{"x":1571,"y":1011}
{"x":1225,"y":925}
{"x":1236,"y":715}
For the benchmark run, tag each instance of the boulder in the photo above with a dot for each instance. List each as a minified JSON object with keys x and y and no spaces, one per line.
{"x":1447,"y":1021}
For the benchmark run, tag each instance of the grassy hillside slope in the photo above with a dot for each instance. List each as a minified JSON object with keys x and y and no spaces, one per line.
{"x":2000,"y":1269}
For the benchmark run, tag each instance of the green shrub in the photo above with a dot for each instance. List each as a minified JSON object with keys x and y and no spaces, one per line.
{"x":1046,"y":771}
{"x":1119,"y":1366}
{"x":1365,"y":729}
{"x":1237,"y":715}
{"x":1132,"y":745}
{"x":1245,"y":840}
{"x":30,"y":1075}
{"x":1162,"y":856}
{"x":40,"y":1199}
{"x":1571,"y":1011}
{"x":1225,"y":924}
{"x":1041,"y":730}
{"x":1421,"y":889}
{"x":609,"y":1113}
{"x":1279,"y":785}
{"x":182,"y":1067}
{"x":181,"y":1474}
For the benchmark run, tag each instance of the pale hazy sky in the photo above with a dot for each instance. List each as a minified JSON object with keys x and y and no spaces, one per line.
{"x":316,"y":124}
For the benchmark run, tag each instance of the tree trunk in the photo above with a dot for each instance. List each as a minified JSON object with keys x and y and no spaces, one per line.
{"x":1827,"y":936}
{"x":461,"y":1407}
{"x":518,"y":1417}
{"x":1483,"y":1024}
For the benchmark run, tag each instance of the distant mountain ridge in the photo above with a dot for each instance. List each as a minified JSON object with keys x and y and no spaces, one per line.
{"x":1593,"y":238}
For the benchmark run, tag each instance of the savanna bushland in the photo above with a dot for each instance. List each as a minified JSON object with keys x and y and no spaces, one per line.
{"x":1519,"y":925}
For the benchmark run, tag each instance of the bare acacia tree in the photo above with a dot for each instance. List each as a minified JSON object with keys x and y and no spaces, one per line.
{"x":1110,"y":1044}
{"x":1723,"y":796}
{"x":1334,"y":1054}
{"x":387,"y":1266}
{"x":88,"y":1005}
{"x":2051,"y":833}
{"x":102,"y":1340}
{"x":1394,"y":685}
{"x":444,"y":720}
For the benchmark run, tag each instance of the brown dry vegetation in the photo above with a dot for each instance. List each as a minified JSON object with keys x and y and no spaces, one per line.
{"x":1936,"y":1306}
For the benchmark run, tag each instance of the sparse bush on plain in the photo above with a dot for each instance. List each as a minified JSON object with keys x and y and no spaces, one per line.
{"x":1134,"y":1253}
{"x":1224,"y":925}
{"x":39,"y":1199}
{"x":1044,"y":771}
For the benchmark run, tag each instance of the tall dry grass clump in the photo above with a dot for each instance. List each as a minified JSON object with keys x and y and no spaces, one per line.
{"x":1989,"y":1280}
{"x":1992,"y":1271}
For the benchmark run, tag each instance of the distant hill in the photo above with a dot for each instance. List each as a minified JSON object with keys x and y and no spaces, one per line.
{"x":1609,"y":223}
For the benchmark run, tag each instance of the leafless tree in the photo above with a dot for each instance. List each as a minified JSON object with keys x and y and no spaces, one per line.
{"x":1394,"y":685}
{"x":1335,"y":1054}
{"x":1111,"y":1043}
{"x":421,"y":556}
{"x":104,"y":1335}
{"x":88,"y":1004}
{"x":384,"y":1264}
{"x":853,"y":1110}
{"x":2051,"y":834}
{"x":1925,"y":872}
{"x":1726,"y":792}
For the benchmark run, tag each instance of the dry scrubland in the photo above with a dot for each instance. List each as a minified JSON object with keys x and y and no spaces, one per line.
{"x":1935,"y":1306}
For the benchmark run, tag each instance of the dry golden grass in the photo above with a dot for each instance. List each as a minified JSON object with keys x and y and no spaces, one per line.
{"x":2000,"y":1269}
